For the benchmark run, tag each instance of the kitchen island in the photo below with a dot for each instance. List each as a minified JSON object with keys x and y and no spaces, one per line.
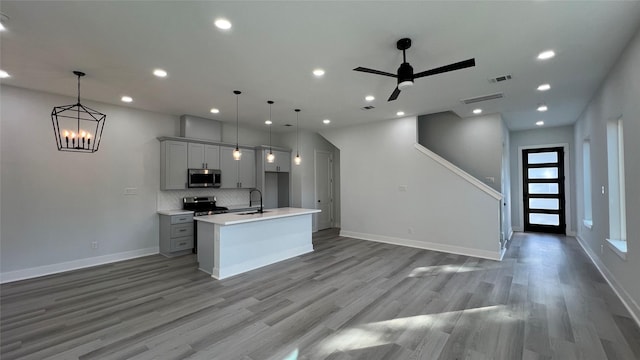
{"x":233,"y":243}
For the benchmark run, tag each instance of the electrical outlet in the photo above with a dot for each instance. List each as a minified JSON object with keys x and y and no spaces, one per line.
{"x":490,"y":179}
{"x":94,"y":245}
{"x":131,"y":191}
{"x":602,"y":190}
{"x":403,"y":188}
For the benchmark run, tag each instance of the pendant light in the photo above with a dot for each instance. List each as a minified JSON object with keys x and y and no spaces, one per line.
{"x":297,"y":160}
{"x":270,"y":157}
{"x":236,"y":152}
{"x":83,"y":124}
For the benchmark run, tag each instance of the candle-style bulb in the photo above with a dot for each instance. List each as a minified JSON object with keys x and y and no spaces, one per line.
{"x":237,"y":154}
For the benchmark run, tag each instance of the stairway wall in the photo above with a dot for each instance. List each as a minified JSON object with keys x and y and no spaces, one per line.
{"x":473,"y":144}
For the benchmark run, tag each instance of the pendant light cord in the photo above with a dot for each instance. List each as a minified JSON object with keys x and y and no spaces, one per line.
{"x":270,"y":103}
{"x":78,"y":89}
{"x":237,"y":107}
{"x":297,"y":133}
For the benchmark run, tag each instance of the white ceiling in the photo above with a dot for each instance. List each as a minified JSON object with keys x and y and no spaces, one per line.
{"x":273,"y":47}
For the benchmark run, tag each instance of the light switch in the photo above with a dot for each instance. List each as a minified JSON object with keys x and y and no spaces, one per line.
{"x":131,"y":191}
{"x":403,"y":188}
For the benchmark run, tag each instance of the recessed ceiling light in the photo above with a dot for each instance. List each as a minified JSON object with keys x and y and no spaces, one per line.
{"x":4,"y":74}
{"x":214,"y":111}
{"x":400,"y":113}
{"x":546,"y":55}
{"x":477,"y":111}
{"x":268,"y":122}
{"x":159,"y":73}
{"x":318,"y":72}
{"x":326,"y":121}
{"x":223,"y":24}
{"x":369,"y":98}
{"x":126,"y":99}
{"x":544,"y":87}
{"x":542,"y":108}
{"x":540,"y":123}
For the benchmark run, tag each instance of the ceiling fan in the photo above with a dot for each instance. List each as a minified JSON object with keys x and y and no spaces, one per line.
{"x":405,"y":73}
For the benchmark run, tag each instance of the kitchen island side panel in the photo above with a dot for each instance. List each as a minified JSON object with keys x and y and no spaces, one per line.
{"x":206,"y":236}
{"x":248,"y":246}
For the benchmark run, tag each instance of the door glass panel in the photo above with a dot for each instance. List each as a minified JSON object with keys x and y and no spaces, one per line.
{"x":543,"y":173}
{"x":543,"y":157}
{"x":546,"y":204}
{"x":543,"y":188}
{"x":544,"y":219}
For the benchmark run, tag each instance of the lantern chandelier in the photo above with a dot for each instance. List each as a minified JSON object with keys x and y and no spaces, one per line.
{"x":76,"y":127}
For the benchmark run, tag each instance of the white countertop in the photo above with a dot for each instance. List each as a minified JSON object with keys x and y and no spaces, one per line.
{"x":236,"y":218}
{"x":175,"y":212}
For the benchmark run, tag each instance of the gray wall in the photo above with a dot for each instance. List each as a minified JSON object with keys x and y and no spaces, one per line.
{"x":474,"y":144}
{"x":618,"y":96}
{"x":303,"y":175}
{"x":421,"y":203}
{"x":539,"y":138}
{"x":55,"y":204}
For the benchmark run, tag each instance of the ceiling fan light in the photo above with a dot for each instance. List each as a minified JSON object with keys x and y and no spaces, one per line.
{"x":405,"y":84}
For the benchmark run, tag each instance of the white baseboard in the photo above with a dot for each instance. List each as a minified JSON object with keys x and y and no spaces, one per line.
{"x":518,"y":228}
{"x":510,"y":233}
{"x":571,"y":233}
{"x":485,"y":254}
{"x":29,"y":273}
{"x":623,"y":295}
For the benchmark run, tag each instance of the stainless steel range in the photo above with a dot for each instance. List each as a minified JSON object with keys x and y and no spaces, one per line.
{"x":201,"y":205}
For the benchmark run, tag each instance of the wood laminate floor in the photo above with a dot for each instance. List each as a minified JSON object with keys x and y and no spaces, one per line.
{"x":349,"y":299}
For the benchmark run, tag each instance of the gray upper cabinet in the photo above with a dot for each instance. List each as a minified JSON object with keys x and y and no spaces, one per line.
{"x":247,"y":169}
{"x":173,"y":165}
{"x":204,"y":156}
{"x":282,"y":161}
{"x":237,"y":173}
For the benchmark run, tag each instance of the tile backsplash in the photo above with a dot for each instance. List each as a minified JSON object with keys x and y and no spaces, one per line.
{"x":172,"y":199}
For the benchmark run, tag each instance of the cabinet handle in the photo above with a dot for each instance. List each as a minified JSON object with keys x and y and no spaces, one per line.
{"x":182,"y":219}
{"x":206,"y":165}
{"x":182,"y":230}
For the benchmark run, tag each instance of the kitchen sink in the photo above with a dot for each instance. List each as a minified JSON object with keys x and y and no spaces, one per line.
{"x":252,"y":212}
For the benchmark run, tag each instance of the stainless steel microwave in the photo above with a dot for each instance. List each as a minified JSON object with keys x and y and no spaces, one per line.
{"x":202,"y":178}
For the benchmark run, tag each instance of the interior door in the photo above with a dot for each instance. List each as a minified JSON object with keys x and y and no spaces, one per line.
{"x":324,"y":198}
{"x":543,"y":190}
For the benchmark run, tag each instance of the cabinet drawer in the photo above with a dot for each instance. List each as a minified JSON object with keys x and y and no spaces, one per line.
{"x":179,"y":219}
{"x":182,"y":243}
{"x":181,"y":230}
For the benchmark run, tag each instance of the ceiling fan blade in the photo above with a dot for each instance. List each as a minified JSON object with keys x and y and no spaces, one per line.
{"x":394,"y":94}
{"x":372,"y":71}
{"x":447,"y":68}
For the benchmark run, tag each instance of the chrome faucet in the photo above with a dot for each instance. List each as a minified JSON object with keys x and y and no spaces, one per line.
{"x":250,"y":202}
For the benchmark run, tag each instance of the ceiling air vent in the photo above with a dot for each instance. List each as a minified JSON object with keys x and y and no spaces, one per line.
{"x":500,"y":78}
{"x":287,"y":125}
{"x":482,"y":98}
{"x":368,"y":107}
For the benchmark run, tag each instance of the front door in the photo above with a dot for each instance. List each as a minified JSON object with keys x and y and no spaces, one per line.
{"x":543,"y":190}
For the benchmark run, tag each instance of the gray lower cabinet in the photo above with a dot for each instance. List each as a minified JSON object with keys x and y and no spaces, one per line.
{"x":176,"y":234}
